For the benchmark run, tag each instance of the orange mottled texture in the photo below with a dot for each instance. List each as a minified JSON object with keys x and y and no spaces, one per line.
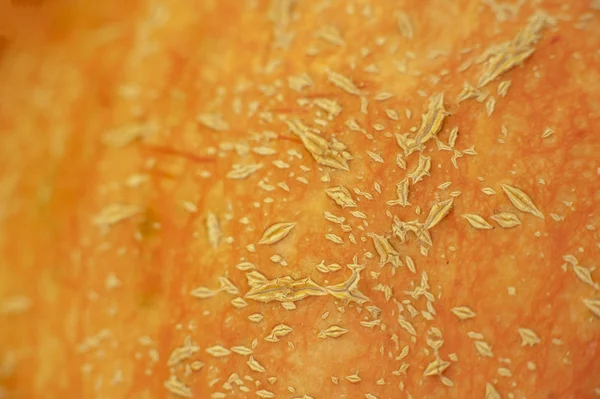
{"x":90,"y":310}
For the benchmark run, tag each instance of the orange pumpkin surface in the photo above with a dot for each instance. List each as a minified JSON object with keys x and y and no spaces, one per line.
{"x":300,"y":199}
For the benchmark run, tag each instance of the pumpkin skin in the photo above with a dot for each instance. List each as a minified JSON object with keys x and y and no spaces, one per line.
{"x":118,"y":201}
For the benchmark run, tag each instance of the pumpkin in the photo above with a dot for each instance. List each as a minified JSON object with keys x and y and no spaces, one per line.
{"x":299,"y":199}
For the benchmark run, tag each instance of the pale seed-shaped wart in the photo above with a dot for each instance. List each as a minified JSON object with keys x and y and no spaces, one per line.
{"x":332,"y":154}
{"x":547,"y":132}
{"x":245,"y":266}
{"x":181,"y":353}
{"x":264,"y":394}
{"x":484,"y":349}
{"x":227,"y":286}
{"x":240,"y":172}
{"x":354,"y":378}
{"x":331,"y":35}
{"x":196,"y":365}
{"x":264,"y":150}
{"x":332,"y":107}
{"x":241,"y":350}
{"x":491,"y":392}
{"x":218,"y":351}
{"x":334,"y":238}
{"x":123,"y":135}
{"x":387,"y":253}
{"x":477,"y":222}
{"x":402,"y":192}
{"x":256,"y":317}
{"x":571,"y":259}
{"x":453,"y":137}
{"x":375,"y":157}
{"x":288,"y":305}
{"x":463,"y":312}
{"x":437,"y":367}
{"x":239,"y":303}
{"x":400,"y":162}
{"x":299,"y":82}
{"x":501,"y":59}
{"x":358,"y":214}
{"x":407,"y":326}
{"x":281,"y":330}
{"x":115,"y":213}
{"x":370,"y":324}
{"x":446,"y":381}
{"x":593,"y":305}
{"x":334,"y":267}
{"x":521,"y":200}
{"x":343,"y":83}
{"x":528,"y":337}
{"x":176,"y":387}
{"x":405,"y":25}
{"x":438,"y":212}
{"x":403,"y":353}
{"x":506,"y":219}
{"x":383,"y":96}
{"x":213,"y":121}
{"x":504,"y":372}
{"x":431,"y":123}
{"x":255,"y":278}
{"x":422,"y":169}
{"x":332,"y":332}
{"x":213,"y":229}
{"x":341,"y":196}
{"x":490,"y":105}
{"x":410,"y":263}
{"x":276,"y":232}
{"x":203,"y":293}
{"x":475,"y":335}
{"x":255,"y":365}
{"x":503,"y":87}
{"x":585,"y":275}
{"x":322,"y":267}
